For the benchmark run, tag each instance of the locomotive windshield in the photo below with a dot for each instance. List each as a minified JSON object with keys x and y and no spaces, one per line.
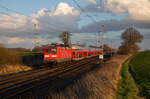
{"x":50,"y":50}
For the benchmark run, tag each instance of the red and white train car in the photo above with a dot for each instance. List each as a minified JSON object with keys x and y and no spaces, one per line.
{"x":62,"y":54}
{"x":57,"y":54}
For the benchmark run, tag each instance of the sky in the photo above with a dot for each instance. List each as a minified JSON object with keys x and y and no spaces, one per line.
{"x":52,"y":17}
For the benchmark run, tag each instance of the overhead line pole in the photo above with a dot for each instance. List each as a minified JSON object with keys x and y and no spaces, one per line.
{"x":102,"y":31}
{"x":111,"y":48}
{"x":35,"y":36}
{"x":82,"y":10}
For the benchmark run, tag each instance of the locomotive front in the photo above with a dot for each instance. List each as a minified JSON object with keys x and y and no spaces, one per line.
{"x":50,"y":55}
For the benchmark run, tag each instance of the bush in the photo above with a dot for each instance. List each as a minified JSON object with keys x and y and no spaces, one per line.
{"x":32,"y":58}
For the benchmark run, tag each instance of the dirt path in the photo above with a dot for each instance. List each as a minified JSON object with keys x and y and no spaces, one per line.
{"x":109,"y":75}
{"x":97,"y":84}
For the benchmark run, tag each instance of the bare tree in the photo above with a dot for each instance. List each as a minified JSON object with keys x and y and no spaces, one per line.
{"x":106,"y":48}
{"x":93,"y":46}
{"x":65,"y":38}
{"x":80,"y":44}
{"x":130,"y":39}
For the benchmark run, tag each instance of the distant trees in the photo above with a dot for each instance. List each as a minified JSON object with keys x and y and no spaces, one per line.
{"x":106,"y":48}
{"x":20,"y":49}
{"x":93,"y":46}
{"x":80,"y":44}
{"x":38,"y":49}
{"x":65,"y":38}
{"x":130,"y":39}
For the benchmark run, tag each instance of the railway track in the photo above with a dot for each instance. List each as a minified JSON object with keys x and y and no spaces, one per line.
{"x":16,"y":84}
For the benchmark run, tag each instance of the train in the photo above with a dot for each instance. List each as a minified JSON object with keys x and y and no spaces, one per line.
{"x":57,"y":54}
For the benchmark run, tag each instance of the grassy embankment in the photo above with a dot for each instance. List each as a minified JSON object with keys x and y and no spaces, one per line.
{"x":135,"y":77}
{"x":140,"y":70}
{"x":98,"y":83}
{"x":127,"y":88}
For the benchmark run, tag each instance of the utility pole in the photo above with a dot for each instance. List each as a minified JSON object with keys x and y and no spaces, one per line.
{"x":101,"y":56}
{"x":34,"y":36}
{"x":96,"y":40}
{"x":111,"y":48}
{"x":102,"y":30}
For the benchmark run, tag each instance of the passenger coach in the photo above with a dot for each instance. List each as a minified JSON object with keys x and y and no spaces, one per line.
{"x":59,"y":54}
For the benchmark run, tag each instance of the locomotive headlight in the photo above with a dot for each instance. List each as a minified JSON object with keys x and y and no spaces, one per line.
{"x":46,"y":55}
{"x":54,"y":55}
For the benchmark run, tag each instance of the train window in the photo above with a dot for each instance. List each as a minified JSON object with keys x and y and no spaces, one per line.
{"x":50,"y":50}
{"x":74,"y":53}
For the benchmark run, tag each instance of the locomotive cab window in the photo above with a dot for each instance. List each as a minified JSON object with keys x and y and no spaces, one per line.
{"x":74,"y":53}
{"x":50,"y":50}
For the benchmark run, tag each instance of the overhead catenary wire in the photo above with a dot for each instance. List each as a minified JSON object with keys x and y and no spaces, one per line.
{"x":50,"y":23}
{"x":82,"y":10}
{"x":53,"y":26}
{"x":4,"y":13}
{"x":8,"y":9}
{"x":17,"y":12}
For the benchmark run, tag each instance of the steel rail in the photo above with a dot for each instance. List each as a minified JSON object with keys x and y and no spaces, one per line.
{"x":48,"y":75}
{"x":10,"y":77}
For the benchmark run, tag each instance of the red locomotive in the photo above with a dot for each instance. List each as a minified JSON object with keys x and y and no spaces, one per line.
{"x":58,"y":54}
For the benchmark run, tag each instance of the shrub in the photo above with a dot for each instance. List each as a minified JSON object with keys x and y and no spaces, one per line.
{"x":32,"y":58}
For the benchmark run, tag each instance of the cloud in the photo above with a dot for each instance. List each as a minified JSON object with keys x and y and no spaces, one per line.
{"x":96,"y":7}
{"x":138,"y":14}
{"x":137,"y":9}
{"x":115,"y":25}
{"x":17,"y":30}
{"x":62,"y":9}
{"x":50,"y":23}
{"x":92,"y":1}
{"x":15,"y":40}
{"x":12,"y":21}
{"x":61,"y":16}
{"x":59,"y":19}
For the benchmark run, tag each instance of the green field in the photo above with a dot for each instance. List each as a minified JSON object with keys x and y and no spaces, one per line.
{"x":140,"y":70}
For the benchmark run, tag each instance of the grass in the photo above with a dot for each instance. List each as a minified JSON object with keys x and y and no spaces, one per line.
{"x":127,"y":88}
{"x":140,"y":70}
{"x":7,"y":69}
{"x":9,"y":57}
{"x":11,"y":61}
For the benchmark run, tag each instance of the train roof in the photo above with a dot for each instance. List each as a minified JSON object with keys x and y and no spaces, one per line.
{"x":55,"y":47}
